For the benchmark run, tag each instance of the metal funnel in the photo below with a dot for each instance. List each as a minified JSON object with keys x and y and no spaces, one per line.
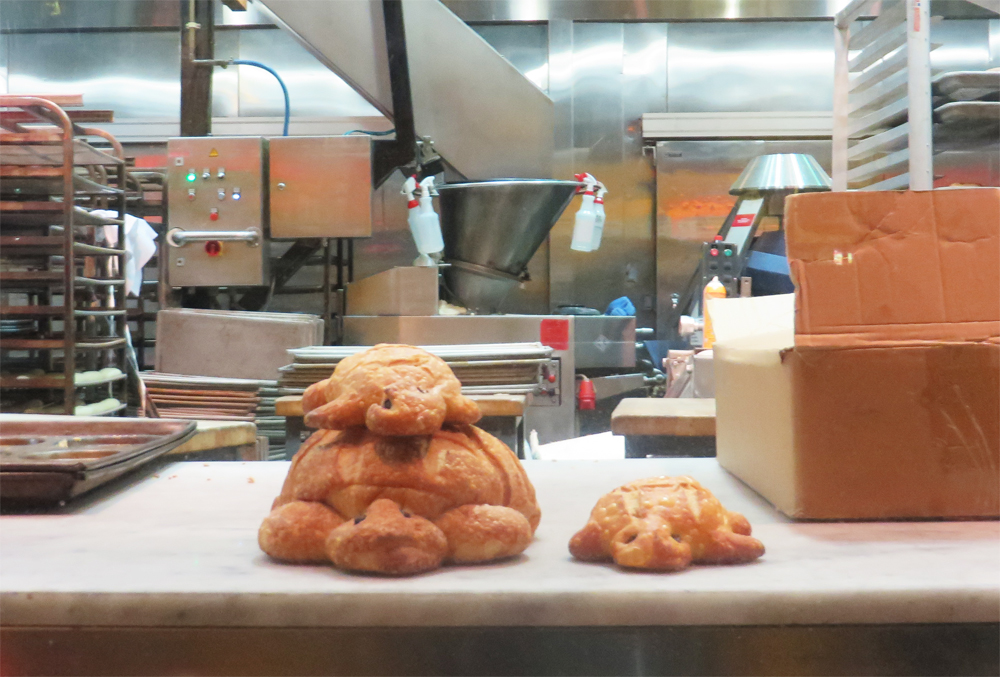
{"x":492,"y":229}
{"x":784,"y":171}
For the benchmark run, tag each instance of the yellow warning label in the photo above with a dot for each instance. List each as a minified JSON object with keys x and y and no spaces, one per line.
{"x":214,"y":153}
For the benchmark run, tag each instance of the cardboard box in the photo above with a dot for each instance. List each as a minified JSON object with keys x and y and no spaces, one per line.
{"x":885,"y":402}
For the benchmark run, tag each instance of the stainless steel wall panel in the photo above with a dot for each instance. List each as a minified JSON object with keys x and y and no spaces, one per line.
{"x":773,"y":66}
{"x":525,"y":46}
{"x":632,"y":233}
{"x":618,"y":10}
{"x":4,"y":58}
{"x":619,"y":73}
{"x":965,"y":46}
{"x":346,"y":37}
{"x":70,"y":14}
{"x":313,"y":89}
{"x":994,"y":43}
{"x":134,"y":74}
{"x":692,"y":200}
{"x":225,"y":81}
{"x":73,"y":14}
{"x":597,"y":134}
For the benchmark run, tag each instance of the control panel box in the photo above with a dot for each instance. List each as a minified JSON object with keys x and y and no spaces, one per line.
{"x":722,"y":260}
{"x":216,"y":211}
{"x":320,"y":186}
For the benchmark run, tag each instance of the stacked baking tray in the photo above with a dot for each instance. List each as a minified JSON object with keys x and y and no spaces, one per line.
{"x":51,"y":459}
{"x":62,"y":315}
{"x":967,"y":106}
{"x":513,"y":368}
{"x":217,"y":399}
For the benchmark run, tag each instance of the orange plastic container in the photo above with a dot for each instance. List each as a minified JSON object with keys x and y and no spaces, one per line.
{"x":713,"y":290}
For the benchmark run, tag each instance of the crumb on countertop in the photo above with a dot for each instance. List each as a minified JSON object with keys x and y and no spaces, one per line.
{"x":250,"y":480}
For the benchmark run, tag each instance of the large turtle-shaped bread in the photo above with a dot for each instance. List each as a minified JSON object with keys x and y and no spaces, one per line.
{"x":401,"y":504}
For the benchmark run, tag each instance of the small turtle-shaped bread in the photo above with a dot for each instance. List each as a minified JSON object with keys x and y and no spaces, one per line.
{"x":664,"y":523}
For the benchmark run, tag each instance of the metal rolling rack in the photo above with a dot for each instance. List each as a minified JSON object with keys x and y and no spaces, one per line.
{"x":63,"y":283}
{"x":882,"y":125}
{"x":887,"y":110}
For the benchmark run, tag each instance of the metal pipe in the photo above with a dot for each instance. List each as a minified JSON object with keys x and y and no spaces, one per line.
{"x":327,"y":294}
{"x":196,"y":83}
{"x":918,"y":65}
{"x":177,"y":237}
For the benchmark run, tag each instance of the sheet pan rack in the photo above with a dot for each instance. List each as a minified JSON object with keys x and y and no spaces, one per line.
{"x":62,"y":259}
{"x":889,"y":115}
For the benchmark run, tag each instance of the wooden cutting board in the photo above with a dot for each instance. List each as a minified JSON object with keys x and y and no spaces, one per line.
{"x":680,"y":416}
{"x":218,"y":434}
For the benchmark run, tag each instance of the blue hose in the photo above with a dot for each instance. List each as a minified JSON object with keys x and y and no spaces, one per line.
{"x":284,"y":89}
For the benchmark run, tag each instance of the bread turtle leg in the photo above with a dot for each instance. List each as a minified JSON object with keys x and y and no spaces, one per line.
{"x":297,"y":531}
{"x":479,"y":533}
{"x":463,"y":410}
{"x":340,"y":414}
{"x":587,"y":545}
{"x":726,"y":547}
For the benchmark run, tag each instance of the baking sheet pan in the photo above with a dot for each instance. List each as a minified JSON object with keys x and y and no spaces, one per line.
{"x":53,"y":459}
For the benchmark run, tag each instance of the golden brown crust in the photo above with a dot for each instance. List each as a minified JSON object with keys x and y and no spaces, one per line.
{"x":664,"y":523}
{"x":394,"y":390}
{"x":480,"y":533}
{"x":460,"y":467}
{"x":297,"y":531}
{"x":386,"y":540}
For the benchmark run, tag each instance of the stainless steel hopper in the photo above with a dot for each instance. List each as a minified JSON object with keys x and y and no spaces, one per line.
{"x":492,"y":229}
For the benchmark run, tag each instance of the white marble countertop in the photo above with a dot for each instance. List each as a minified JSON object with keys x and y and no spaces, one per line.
{"x":179,"y":549}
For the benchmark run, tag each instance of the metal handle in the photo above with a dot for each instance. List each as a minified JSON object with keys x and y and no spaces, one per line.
{"x":178,"y":238}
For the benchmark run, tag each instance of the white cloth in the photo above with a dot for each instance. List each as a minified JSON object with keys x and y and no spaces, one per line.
{"x":140,"y":246}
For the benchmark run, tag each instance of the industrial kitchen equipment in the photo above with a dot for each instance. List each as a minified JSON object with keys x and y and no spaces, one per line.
{"x":230,"y":196}
{"x":740,"y":250}
{"x":497,"y":205}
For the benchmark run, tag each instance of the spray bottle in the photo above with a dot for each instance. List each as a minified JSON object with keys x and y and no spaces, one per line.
{"x":430,"y":224}
{"x":599,"y":221}
{"x":424,"y":225}
{"x":413,"y":210}
{"x":583,"y":226}
{"x":713,"y":290}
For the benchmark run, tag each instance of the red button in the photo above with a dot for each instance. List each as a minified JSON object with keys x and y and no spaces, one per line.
{"x":214,"y":215}
{"x":552,"y":378}
{"x":713,"y":251}
{"x":213,"y":247}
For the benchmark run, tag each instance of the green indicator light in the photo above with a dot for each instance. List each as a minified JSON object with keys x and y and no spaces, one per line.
{"x":729,"y":252}
{"x":191,"y":176}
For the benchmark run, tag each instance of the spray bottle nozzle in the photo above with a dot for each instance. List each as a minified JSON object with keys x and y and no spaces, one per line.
{"x":409,"y":188}
{"x":427,"y":187}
